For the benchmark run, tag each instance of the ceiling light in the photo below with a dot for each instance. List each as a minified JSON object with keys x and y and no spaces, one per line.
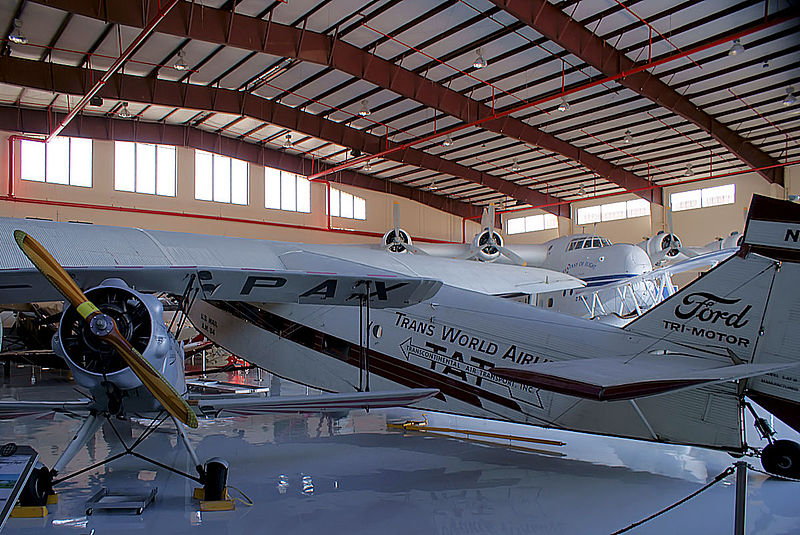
{"x":564,"y":106}
{"x":765,"y":65}
{"x":737,"y":48}
{"x":448,"y":141}
{"x":479,"y":62}
{"x":515,"y":167}
{"x":628,"y":136}
{"x":689,"y":171}
{"x":582,"y":190}
{"x":364,"y":111}
{"x":288,"y":141}
{"x":180,"y":65}
{"x":124,"y":112}
{"x":16,"y":35}
{"x":790,"y":98}
{"x":368,"y":167}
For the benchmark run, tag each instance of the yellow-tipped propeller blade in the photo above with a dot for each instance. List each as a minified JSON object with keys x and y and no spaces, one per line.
{"x":161,"y":389}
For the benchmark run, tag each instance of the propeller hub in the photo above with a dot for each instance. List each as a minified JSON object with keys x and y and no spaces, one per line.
{"x":101,"y":325}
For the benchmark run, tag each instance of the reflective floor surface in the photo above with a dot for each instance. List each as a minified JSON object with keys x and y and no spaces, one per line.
{"x":356,"y":474}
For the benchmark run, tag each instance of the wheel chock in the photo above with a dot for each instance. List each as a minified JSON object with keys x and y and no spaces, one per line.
{"x":29,"y":511}
{"x":217,"y":505}
{"x":213,"y":505}
{"x":52,"y":499}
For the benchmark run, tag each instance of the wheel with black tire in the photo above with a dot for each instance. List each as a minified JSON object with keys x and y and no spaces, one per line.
{"x":782,"y":458}
{"x":35,"y":491}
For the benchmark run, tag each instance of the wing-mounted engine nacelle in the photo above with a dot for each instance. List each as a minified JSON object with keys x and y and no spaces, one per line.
{"x":734,"y":240}
{"x":139,"y":318}
{"x":396,"y":245}
{"x":487,"y":250}
{"x":662,"y":241}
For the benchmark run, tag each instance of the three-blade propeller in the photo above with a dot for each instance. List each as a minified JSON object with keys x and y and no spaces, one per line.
{"x":104,"y":327}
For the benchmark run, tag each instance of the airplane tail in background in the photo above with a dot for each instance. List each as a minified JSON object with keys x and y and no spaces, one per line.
{"x":748,"y":307}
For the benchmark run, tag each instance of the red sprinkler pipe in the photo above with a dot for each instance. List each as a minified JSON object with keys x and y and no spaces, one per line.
{"x":145,"y":33}
{"x":564,"y":93}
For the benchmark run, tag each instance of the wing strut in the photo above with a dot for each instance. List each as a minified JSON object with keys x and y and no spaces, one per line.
{"x":363,"y":369}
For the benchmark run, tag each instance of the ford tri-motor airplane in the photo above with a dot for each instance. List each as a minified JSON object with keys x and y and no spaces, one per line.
{"x":682,"y":373}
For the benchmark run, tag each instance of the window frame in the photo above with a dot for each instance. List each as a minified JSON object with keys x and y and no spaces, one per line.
{"x":213,"y":189}
{"x":529,"y":222}
{"x":156,"y":188}
{"x":333,"y":192}
{"x":297,"y":181}
{"x":69,"y":169}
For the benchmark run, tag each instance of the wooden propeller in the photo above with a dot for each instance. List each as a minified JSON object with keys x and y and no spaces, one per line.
{"x":105,"y":328}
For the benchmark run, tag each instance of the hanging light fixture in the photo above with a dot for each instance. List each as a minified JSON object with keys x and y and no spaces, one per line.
{"x":790,"y":98}
{"x":737,"y":48}
{"x":479,"y":62}
{"x":16,"y":35}
{"x":564,"y":106}
{"x":288,"y":141}
{"x":515,"y":167}
{"x":124,"y":112}
{"x":180,"y":64}
{"x":448,"y":141}
{"x":689,"y":171}
{"x":368,"y":167}
{"x":582,"y":190}
{"x":628,"y":136}
{"x":364,"y":111}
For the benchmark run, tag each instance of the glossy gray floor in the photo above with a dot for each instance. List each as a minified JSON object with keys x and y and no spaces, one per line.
{"x":316,"y":474}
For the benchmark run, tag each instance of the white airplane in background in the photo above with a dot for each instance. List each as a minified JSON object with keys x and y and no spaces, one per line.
{"x":681,"y":373}
{"x":620,"y":280}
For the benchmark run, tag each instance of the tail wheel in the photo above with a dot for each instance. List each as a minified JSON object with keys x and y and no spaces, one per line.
{"x":782,"y":458}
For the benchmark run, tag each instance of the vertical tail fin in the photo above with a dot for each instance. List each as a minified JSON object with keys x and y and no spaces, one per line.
{"x":748,"y":307}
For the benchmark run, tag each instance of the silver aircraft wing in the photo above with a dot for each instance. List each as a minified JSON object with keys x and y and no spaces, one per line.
{"x":220,"y":267}
{"x":244,"y":405}
{"x":10,"y":409}
{"x":620,"y":378}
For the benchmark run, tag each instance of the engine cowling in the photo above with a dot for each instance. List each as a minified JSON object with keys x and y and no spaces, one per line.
{"x":139,"y":318}
{"x":662,"y":241}
{"x":396,"y":246}
{"x":734,"y":240}
{"x":487,"y":251}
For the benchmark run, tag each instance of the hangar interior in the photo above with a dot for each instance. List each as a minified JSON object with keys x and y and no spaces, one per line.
{"x":309,"y":120}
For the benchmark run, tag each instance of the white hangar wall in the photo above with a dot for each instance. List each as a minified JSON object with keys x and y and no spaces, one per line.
{"x":186,"y":214}
{"x":103,"y":204}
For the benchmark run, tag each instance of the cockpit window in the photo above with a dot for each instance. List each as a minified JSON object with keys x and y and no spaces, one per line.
{"x":588,"y":243}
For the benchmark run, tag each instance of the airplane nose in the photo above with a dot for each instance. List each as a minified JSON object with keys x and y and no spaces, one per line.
{"x":636,"y":259}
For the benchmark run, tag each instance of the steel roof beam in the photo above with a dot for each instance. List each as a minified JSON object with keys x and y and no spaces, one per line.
{"x":36,"y":122}
{"x":63,"y":78}
{"x":571,"y":35}
{"x":211,"y":25}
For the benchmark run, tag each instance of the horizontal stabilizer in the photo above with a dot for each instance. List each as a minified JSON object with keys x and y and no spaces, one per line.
{"x":243,"y":406}
{"x":613,"y":379}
